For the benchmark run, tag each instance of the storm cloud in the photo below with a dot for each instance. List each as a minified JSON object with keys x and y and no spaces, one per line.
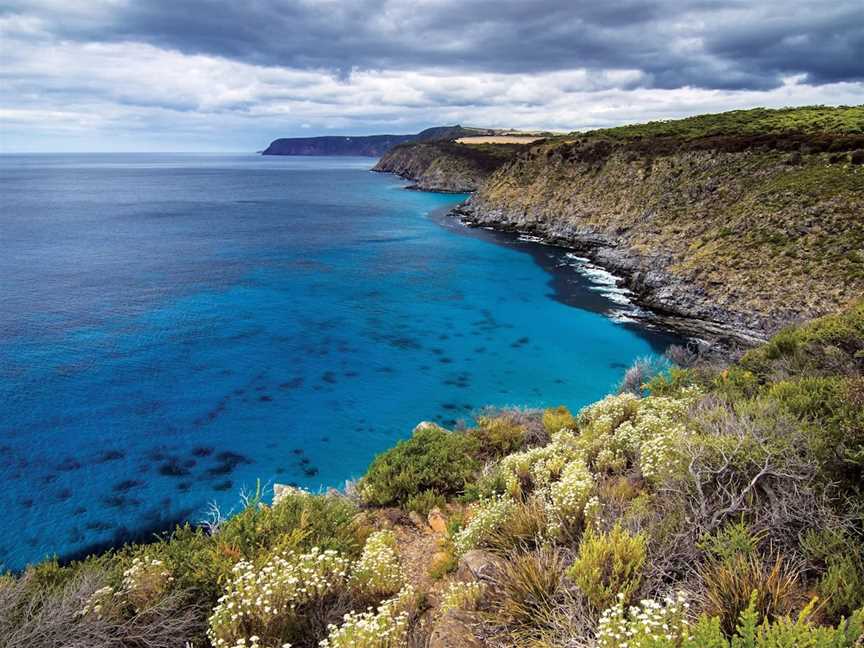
{"x":274,"y":67}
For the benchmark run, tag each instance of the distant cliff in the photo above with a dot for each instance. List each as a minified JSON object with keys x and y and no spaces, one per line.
{"x":445,"y":165}
{"x":367,"y":145}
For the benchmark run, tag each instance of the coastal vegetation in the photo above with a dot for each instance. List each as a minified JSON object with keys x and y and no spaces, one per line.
{"x":718,"y":505}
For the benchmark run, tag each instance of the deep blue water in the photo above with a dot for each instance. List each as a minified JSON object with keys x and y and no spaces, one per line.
{"x":174,"y":327}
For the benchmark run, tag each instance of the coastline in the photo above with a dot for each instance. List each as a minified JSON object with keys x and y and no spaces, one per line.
{"x":629,"y":277}
{"x":632,"y":277}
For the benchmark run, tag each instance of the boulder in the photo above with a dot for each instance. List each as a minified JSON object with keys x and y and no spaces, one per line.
{"x":437,"y":521}
{"x":453,"y":630}
{"x":477,"y":565}
{"x":281,"y":491}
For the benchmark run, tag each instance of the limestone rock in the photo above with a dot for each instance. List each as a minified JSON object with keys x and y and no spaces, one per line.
{"x":437,"y":521}
{"x":282,"y":491}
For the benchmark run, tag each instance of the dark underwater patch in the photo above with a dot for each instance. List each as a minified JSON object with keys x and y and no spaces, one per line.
{"x":173,"y":468}
{"x":111,"y":455}
{"x":228,"y":461}
{"x":126,"y":485}
{"x":69,"y":464}
{"x":329,"y":377}
{"x":223,"y":486}
{"x":202,"y":451}
{"x":265,"y":398}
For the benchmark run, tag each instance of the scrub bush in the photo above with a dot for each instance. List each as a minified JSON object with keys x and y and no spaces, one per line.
{"x":497,"y":436}
{"x":432,"y":459}
{"x":558,"y":418}
{"x":378,"y":571}
{"x":609,"y":565}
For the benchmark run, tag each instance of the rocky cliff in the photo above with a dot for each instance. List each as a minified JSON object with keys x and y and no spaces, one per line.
{"x":737,"y":233}
{"x":445,"y":165}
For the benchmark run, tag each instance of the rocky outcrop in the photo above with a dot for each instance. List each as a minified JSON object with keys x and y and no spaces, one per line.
{"x":719,"y":236}
{"x":446,"y":166}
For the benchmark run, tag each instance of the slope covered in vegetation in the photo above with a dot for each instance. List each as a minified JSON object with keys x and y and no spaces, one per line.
{"x":744,"y":221}
{"x":446,"y":165}
{"x":701,"y":505}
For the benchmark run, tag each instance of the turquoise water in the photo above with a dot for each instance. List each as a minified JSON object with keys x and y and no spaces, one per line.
{"x":174,"y":328}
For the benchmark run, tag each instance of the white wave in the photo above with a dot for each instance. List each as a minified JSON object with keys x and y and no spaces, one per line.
{"x":530,"y":238}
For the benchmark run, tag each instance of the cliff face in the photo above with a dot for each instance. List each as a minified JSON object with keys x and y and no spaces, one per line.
{"x":444,"y":165}
{"x":368,"y":145}
{"x":743,"y":234}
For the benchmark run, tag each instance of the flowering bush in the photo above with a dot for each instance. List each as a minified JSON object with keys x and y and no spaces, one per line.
{"x":263,"y":602}
{"x":462,"y":596}
{"x":101,"y":603}
{"x":378,"y":571}
{"x":649,"y":625}
{"x":488,"y":517}
{"x":665,"y":625}
{"x":538,"y":467}
{"x":386,"y":627}
{"x":145,"y":582}
{"x":568,"y":496}
{"x":623,"y":431}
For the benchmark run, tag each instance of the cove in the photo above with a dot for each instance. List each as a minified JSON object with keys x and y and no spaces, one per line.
{"x":175,"y":327}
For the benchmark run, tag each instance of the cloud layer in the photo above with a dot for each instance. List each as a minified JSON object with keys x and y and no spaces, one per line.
{"x":202,"y":75}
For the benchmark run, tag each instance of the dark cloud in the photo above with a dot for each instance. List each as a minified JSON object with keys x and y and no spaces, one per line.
{"x":722,"y":44}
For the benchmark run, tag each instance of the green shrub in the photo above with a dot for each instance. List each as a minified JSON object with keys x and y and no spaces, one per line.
{"x":609,"y":566}
{"x":841,"y":585}
{"x":497,"y":436}
{"x":731,"y":541}
{"x":432,"y":459}
{"x":833,"y":411}
{"x":425,"y":501}
{"x":558,"y":418}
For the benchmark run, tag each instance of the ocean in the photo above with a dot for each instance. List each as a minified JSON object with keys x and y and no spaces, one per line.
{"x":177,"y":329}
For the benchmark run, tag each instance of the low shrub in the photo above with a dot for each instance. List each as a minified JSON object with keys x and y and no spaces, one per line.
{"x":425,"y":501}
{"x":278,"y":601}
{"x":386,"y":627}
{"x":558,"y":418}
{"x":525,"y":527}
{"x":497,"y":436}
{"x":378,"y":571}
{"x":461,"y":595}
{"x":665,"y":625}
{"x":432,"y":459}
{"x":609,"y":566}
{"x":488,"y":517}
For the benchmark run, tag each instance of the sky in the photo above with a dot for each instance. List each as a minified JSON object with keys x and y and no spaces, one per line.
{"x":200,"y":75}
